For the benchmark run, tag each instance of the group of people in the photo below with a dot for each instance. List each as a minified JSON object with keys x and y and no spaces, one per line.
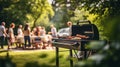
{"x":6,"y":33}
{"x":26,"y":33}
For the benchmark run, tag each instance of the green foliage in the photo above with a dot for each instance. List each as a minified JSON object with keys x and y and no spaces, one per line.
{"x":22,"y":11}
{"x":79,"y":15}
{"x":107,"y":56}
{"x":112,"y":29}
{"x":99,"y":6}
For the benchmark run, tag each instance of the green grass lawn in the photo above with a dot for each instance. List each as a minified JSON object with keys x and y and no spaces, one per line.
{"x":33,"y":58}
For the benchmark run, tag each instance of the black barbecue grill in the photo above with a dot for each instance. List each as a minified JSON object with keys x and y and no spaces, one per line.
{"x":84,"y":28}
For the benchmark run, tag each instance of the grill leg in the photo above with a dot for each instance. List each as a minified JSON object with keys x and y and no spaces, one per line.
{"x":57,"y":57}
{"x":71,"y":61}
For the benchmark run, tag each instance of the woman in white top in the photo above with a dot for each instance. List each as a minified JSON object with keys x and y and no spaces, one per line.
{"x":19,"y":31}
{"x":20,"y":36}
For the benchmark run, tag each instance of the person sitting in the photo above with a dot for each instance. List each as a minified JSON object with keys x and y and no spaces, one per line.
{"x":44,"y":37}
{"x":37,"y":40}
{"x":33,"y":33}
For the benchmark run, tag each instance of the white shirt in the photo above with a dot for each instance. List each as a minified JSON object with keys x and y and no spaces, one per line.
{"x":2,"y":29}
{"x":70,"y":31}
{"x":19,"y":31}
{"x":54,"y":31}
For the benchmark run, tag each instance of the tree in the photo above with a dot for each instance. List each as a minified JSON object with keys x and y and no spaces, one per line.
{"x":22,"y":11}
{"x":108,"y":14}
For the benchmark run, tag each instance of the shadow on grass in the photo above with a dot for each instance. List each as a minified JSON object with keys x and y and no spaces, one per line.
{"x":44,"y":55}
{"x":3,"y":51}
{"x":32,"y":64}
{"x":7,"y":61}
{"x":36,"y":64}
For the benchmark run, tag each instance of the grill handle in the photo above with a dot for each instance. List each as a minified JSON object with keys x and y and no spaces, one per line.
{"x":83,"y":22}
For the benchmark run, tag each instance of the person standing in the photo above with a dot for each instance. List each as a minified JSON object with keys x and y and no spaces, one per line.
{"x":53,"y":31}
{"x":2,"y":34}
{"x":11,"y":38}
{"x":19,"y":36}
{"x":69,"y":24}
{"x":27,"y":34}
{"x":19,"y":31}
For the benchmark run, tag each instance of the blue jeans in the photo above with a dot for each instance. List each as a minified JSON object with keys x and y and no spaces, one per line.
{"x":27,"y":39}
{"x":2,"y":41}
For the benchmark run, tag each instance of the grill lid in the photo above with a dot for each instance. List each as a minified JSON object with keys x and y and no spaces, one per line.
{"x":87,"y":29}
